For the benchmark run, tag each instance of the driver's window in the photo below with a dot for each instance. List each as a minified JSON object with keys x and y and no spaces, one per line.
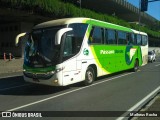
{"x":69,"y":45}
{"x":72,"y":40}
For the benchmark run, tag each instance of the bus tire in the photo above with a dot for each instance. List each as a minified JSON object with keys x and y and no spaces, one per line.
{"x":136,"y":66}
{"x":152,"y":60}
{"x":89,"y":76}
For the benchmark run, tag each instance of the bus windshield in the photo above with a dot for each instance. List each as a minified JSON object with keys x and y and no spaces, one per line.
{"x":41,"y":50}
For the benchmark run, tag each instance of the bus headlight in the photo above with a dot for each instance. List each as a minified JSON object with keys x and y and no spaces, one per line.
{"x":50,"y":73}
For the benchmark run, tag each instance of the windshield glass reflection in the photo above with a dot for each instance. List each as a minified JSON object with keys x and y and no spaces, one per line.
{"x":41,"y":50}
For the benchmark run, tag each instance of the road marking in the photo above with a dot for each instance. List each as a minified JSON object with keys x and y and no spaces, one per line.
{"x":157,"y":65}
{"x":55,"y":96}
{"x":14,"y":87}
{"x":139,"y":103}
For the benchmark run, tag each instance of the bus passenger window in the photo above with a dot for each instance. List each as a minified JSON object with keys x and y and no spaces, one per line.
{"x":144,"y":40}
{"x":96,"y":36}
{"x":110,"y":37}
{"x":122,"y":38}
{"x":139,"y":40}
{"x":131,"y":40}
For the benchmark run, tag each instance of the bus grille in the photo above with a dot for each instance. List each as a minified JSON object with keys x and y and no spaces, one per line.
{"x":43,"y":76}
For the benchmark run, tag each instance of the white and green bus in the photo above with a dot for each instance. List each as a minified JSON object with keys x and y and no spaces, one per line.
{"x":66,"y":51}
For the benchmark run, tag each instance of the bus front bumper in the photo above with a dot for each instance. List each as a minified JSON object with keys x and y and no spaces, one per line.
{"x":42,"y":79}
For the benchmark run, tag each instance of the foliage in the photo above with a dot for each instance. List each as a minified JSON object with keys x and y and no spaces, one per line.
{"x":59,"y":9}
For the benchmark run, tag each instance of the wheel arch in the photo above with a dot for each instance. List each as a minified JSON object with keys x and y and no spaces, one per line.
{"x":94,"y":67}
{"x":137,"y":60}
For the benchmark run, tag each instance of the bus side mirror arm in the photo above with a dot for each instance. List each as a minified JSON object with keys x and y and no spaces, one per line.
{"x":59,"y":35}
{"x":18,"y":37}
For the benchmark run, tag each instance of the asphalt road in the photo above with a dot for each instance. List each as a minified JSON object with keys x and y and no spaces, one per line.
{"x":117,"y":93}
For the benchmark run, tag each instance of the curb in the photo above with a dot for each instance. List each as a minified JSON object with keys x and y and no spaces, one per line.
{"x":146,"y":108}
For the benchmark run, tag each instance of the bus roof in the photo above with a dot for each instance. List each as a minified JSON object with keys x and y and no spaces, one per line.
{"x":66,"y":21}
{"x":60,"y":22}
{"x":139,"y":32}
{"x":109,"y":25}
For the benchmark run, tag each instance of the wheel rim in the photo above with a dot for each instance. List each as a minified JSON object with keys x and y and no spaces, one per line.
{"x":89,"y":76}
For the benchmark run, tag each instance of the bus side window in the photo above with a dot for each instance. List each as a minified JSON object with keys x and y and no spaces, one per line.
{"x":122,"y":37}
{"x":144,"y":40}
{"x":110,"y":36}
{"x":96,"y":36}
{"x":130,"y":39}
{"x":139,"y":41}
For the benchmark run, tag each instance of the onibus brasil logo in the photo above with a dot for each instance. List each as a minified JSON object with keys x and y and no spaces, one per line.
{"x":21,"y":114}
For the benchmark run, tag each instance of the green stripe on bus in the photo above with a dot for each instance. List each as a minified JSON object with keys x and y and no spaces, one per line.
{"x":108,"y":25}
{"x":38,"y":70}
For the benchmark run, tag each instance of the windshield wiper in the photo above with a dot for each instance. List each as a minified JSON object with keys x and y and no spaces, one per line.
{"x":42,"y":58}
{"x":45,"y":58}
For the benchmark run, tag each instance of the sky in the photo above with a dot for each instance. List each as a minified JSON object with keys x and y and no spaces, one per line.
{"x":153,"y":8}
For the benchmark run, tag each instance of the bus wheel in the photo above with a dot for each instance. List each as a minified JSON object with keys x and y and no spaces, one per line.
{"x":89,"y":76}
{"x":152,"y":60}
{"x":136,"y":66}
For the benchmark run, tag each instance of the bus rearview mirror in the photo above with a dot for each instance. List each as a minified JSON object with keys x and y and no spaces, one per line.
{"x":18,"y":38}
{"x":59,"y":35}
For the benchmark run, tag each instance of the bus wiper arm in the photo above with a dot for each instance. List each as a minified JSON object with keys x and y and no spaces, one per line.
{"x":42,"y":58}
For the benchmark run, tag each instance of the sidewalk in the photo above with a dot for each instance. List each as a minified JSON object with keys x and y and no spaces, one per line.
{"x":154,"y":107}
{"x":15,"y":65}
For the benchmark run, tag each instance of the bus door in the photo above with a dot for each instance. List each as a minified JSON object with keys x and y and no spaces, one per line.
{"x":72,"y":45}
{"x":70,"y":73}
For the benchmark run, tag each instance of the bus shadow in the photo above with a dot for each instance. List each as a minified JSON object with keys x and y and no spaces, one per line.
{"x":113,"y":75}
{"x":29,"y":89}
{"x":101,"y":78}
{"x":37,"y":90}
